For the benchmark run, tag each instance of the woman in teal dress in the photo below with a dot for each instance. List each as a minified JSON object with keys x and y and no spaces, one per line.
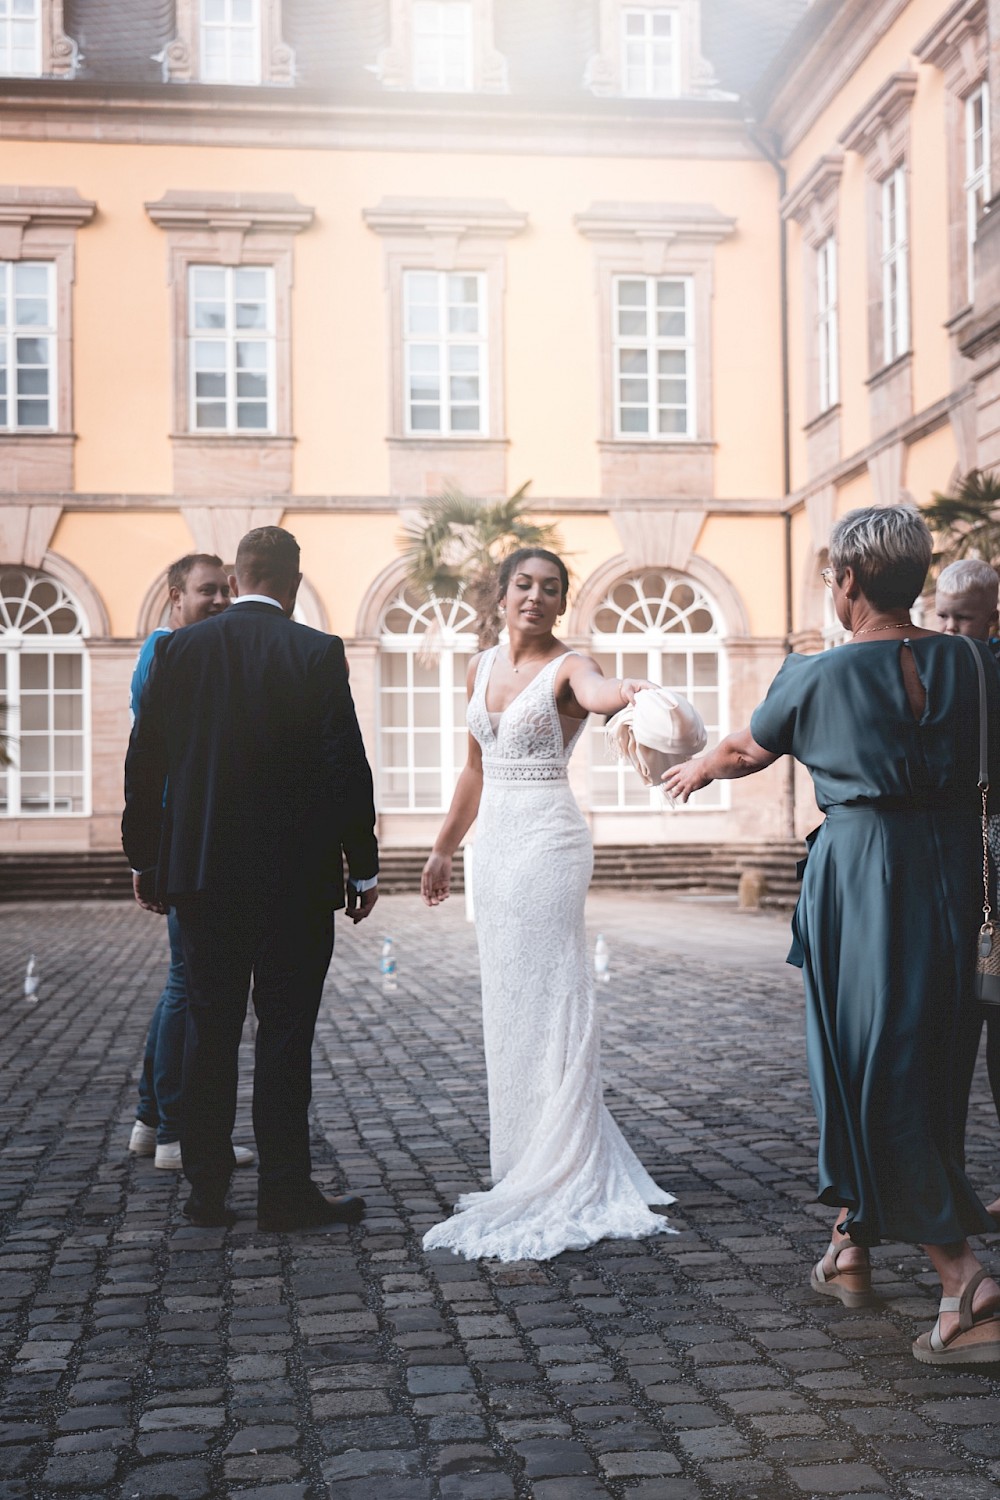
{"x":885,"y":926}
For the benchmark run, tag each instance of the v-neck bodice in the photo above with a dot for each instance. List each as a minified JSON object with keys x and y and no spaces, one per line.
{"x":526,"y":742}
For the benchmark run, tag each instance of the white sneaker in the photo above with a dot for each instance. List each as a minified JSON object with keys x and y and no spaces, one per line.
{"x":168,"y":1158}
{"x":142,"y":1141}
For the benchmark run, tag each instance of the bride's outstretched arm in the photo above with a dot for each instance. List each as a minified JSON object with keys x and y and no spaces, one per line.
{"x":737,"y":755}
{"x":597,"y":694}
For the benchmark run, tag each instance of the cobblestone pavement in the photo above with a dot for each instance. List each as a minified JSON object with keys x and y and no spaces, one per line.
{"x":143,"y":1358}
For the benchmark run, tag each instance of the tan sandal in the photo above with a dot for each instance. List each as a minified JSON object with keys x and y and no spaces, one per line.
{"x":852,"y":1287}
{"x":976,"y":1340}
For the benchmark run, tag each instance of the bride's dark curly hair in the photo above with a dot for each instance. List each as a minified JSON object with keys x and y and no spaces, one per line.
{"x":513,"y":561}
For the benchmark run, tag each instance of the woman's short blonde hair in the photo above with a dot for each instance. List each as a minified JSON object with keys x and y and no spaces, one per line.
{"x":889,"y":548}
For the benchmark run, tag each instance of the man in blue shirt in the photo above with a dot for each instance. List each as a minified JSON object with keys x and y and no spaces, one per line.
{"x":199,"y":588}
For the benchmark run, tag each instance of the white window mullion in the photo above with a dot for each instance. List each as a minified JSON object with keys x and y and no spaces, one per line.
{"x":977,"y":186}
{"x":13,"y":729}
{"x":903,"y":263}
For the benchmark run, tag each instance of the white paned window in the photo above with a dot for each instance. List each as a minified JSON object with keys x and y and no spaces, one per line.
{"x":425,"y":648}
{"x":44,"y":698}
{"x":230,"y":41}
{"x":654,"y":357}
{"x":27,"y":345}
{"x":650,"y":54}
{"x":826,"y":324}
{"x":662,"y":626}
{"x":21,"y":38}
{"x":231,"y":343}
{"x":442,"y":46}
{"x":895,"y":267}
{"x":977,"y":167}
{"x":445,"y":346}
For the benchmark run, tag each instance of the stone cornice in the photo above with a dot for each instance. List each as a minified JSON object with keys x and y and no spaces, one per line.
{"x":963,"y":23}
{"x":32,"y":207}
{"x":245,"y":212}
{"x":193,"y":115}
{"x":823,"y":52}
{"x":489,"y":218}
{"x":820,"y":182}
{"x":654,"y":221}
{"x":78,"y":501}
{"x":881,"y":112}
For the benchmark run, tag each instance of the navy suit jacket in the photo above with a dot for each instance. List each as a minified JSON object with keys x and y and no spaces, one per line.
{"x":248,"y":719}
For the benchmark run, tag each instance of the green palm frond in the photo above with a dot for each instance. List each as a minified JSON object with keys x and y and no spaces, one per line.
{"x":458,"y":542}
{"x":967,"y":521}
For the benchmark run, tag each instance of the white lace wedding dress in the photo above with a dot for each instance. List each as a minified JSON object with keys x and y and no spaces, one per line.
{"x":564,"y":1176}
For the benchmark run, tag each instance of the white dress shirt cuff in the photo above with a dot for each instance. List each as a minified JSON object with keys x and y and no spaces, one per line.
{"x":363,"y":885}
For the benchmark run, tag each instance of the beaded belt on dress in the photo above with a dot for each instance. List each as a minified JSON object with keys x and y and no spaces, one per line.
{"x":523,"y":770}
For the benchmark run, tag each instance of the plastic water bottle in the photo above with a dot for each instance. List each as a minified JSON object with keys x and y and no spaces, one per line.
{"x":602,"y":960}
{"x":387,"y":967}
{"x":31,"y":981}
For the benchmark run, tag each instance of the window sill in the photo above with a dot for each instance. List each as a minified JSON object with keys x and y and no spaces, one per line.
{"x":635,"y":444}
{"x":887,"y":372}
{"x":430,"y":440}
{"x":240,"y":438}
{"x":822,"y":419}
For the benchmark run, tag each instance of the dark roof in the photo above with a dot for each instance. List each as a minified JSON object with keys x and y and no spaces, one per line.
{"x":547,"y":43}
{"x":742,"y":37}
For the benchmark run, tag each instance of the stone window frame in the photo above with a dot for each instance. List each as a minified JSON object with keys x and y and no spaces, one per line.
{"x":443,"y":234}
{"x":41,"y":224}
{"x":605,"y":72}
{"x":958,"y":46}
{"x":181,"y":58}
{"x":880,"y":134}
{"x":394,"y":65}
{"x":655,"y":240}
{"x":814,"y":207}
{"x":230,"y":229}
{"x":58,"y":54}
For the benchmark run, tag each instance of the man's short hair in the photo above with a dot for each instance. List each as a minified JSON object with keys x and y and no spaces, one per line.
{"x":268,"y":554}
{"x":180,"y":571}
{"x":968,"y":575}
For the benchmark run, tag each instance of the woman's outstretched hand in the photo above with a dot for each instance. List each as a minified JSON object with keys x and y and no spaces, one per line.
{"x":681,"y":781}
{"x":435,"y":882}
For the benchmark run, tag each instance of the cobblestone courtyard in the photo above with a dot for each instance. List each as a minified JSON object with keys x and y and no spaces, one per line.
{"x":143,"y":1358}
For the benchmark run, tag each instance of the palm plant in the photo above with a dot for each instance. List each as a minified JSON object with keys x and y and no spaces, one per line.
{"x":967,"y":520}
{"x":457,"y":545}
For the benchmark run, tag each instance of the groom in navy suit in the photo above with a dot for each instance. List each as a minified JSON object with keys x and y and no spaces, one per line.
{"x":248,"y":721}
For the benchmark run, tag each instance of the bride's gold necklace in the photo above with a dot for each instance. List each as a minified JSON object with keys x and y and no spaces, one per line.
{"x":871,"y":629}
{"x":527,"y":662}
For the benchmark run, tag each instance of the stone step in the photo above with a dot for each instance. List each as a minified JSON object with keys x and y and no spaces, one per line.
{"x":102,"y":874}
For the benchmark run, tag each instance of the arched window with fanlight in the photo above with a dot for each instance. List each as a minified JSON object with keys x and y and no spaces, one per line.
{"x":424,"y":650}
{"x":660,"y":625}
{"x":44,"y":698}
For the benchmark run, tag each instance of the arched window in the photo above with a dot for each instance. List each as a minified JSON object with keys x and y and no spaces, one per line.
{"x":663,"y":626}
{"x":44,"y":698}
{"x":425,"y":646}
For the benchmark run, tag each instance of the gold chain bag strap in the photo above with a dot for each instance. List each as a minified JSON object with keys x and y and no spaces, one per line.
{"x":988,"y":945}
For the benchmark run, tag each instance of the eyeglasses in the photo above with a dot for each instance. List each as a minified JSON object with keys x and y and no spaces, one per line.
{"x":828,"y":575}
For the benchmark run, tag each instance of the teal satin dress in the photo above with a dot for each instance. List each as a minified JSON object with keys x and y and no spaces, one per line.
{"x":886,"y":923}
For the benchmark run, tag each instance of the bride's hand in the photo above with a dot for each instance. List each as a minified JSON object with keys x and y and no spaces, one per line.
{"x":681,"y":781}
{"x":435,"y":882}
{"x":629,"y":686}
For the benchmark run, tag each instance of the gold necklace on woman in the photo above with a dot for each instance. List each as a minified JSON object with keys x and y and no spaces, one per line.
{"x":897,"y":625}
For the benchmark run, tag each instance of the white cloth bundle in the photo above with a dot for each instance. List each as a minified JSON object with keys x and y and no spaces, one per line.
{"x":656,"y":732}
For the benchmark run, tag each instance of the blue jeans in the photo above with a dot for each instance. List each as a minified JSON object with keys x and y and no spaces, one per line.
{"x":163,"y":1064}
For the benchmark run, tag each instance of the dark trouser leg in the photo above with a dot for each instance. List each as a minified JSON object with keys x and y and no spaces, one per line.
{"x":218,"y":945}
{"x":146,"y":1108}
{"x":289,"y":971}
{"x":993,"y":1052}
{"x":168,"y":1061}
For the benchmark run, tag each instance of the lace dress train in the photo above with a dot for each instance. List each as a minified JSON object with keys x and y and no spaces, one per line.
{"x":564,"y":1175}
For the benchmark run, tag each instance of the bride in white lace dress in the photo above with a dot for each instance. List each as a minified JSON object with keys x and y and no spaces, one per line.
{"x":564,"y":1176}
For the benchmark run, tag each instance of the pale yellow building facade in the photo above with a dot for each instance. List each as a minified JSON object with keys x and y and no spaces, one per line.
{"x":286,"y":269}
